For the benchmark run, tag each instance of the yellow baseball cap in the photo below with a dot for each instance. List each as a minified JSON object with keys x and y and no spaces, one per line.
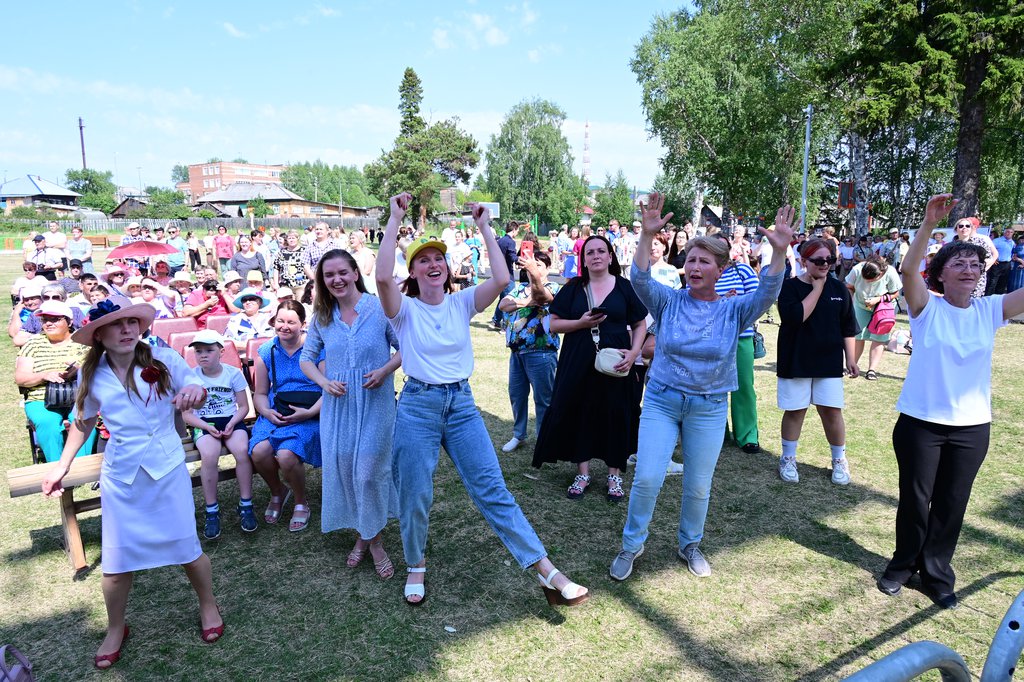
{"x":424,"y":243}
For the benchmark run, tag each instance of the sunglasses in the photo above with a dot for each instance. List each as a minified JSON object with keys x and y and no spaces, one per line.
{"x":964,"y":225}
{"x":822,"y":262}
{"x":46,"y":319}
{"x":53,"y":297}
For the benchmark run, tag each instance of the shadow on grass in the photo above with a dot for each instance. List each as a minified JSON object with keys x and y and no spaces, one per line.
{"x":827,"y":671}
{"x":1010,"y":510}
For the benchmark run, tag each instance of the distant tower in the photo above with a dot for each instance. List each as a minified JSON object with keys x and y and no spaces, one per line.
{"x":586,"y":154}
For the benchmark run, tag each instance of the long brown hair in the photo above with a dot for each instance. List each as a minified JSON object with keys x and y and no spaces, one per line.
{"x":411,"y":288}
{"x":323,"y":303}
{"x":143,"y":357}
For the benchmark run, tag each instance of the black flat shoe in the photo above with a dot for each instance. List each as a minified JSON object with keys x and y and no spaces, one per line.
{"x":945,"y":601}
{"x":888,"y":587}
{"x":751,"y":448}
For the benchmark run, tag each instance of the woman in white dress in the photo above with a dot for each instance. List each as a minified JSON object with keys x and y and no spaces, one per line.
{"x":149,"y":514}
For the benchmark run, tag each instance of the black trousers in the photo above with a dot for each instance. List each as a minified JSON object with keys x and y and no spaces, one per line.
{"x":937,"y":465}
{"x":998,"y":278}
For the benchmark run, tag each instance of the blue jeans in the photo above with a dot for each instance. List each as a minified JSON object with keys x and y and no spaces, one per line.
{"x":434,"y":415}
{"x":668,"y":415}
{"x":496,"y":317}
{"x":530,"y":369}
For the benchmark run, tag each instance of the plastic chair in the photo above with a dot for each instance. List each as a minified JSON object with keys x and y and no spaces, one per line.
{"x":219,"y":323}
{"x":165,"y":327}
{"x":252,"y":347}
{"x":179,"y":341}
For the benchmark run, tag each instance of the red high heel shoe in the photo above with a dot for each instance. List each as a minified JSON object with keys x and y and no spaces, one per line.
{"x":111,"y":659}
{"x":211,"y":635}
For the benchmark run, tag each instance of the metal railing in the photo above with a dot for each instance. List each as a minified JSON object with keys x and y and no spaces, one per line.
{"x":915,"y":659}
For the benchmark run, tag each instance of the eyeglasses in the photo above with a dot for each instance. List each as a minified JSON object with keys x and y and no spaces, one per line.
{"x":822,"y":262}
{"x":962,"y":265}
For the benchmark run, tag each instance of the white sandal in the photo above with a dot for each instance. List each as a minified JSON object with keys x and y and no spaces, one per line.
{"x":563,"y":598}
{"x":415,"y":589}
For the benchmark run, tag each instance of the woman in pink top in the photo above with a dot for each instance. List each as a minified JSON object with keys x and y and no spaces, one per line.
{"x":223,"y":247}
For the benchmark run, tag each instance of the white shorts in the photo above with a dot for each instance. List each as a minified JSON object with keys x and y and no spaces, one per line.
{"x":798,"y":394}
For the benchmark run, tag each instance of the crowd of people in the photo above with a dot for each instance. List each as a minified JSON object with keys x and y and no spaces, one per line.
{"x":656,"y":326}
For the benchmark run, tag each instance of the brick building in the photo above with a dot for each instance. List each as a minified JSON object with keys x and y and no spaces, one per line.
{"x":206,"y":178}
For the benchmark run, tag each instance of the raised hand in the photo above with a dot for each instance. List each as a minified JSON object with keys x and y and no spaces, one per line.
{"x":481,"y":216}
{"x":650,"y":214}
{"x":939,"y":206}
{"x":400,"y":205}
{"x":781,"y":236}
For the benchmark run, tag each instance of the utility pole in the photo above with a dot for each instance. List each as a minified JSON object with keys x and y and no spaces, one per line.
{"x":807,"y":156}
{"x":139,"y":169}
{"x":81,"y":138}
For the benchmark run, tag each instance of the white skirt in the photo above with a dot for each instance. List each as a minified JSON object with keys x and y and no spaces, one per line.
{"x":149,"y":523}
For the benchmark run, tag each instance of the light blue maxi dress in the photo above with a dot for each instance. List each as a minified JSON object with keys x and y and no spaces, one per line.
{"x":356,"y":429}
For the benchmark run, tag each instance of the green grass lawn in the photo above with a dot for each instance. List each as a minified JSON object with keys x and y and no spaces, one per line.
{"x":792,"y":595}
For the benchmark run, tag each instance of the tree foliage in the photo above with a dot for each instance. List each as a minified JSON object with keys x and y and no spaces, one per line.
{"x":179,"y":173}
{"x":316,"y":178}
{"x":614,"y":200}
{"x":259,"y":208}
{"x":239,"y":160}
{"x":529,"y":165}
{"x":410,"y":96}
{"x":96,"y":187}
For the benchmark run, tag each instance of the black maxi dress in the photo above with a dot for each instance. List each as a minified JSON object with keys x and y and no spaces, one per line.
{"x":592,"y":415}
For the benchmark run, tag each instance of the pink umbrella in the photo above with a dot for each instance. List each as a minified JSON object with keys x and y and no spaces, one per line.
{"x":141,"y":249}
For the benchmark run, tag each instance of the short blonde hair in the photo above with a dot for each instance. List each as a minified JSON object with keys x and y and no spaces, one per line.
{"x":718,"y":248}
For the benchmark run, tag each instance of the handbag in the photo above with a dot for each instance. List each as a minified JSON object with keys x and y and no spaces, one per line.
{"x":60,"y":397}
{"x":286,"y":401}
{"x":20,"y":671}
{"x":605,"y":359}
{"x":759,"y":350}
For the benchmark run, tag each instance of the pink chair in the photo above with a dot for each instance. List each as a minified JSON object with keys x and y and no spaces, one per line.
{"x":219,"y":323}
{"x":179,"y":341}
{"x":171,"y":325}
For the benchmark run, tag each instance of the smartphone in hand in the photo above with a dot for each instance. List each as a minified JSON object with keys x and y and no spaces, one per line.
{"x":526,"y":250}
{"x":599,"y":310}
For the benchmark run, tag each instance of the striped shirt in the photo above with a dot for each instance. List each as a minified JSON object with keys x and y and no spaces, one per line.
{"x":742,"y":279}
{"x":49,"y":357}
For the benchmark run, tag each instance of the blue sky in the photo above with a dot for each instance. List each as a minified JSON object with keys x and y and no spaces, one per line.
{"x":160,"y":83}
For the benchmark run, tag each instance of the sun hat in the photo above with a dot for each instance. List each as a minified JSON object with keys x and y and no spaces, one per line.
{"x":231,"y":276}
{"x":133,"y":281}
{"x":110,"y":310}
{"x":134,"y":226}
{"x":254,"y":276}
{"x":54,"y":309}
{"x":424,"y":243}
{"x":181,"y":276}
{"x":110,"y":271}
{"x":160,"y":288}
{"x":934,"y":249}
{"x":208,"y":337}
{"x":284,"y":292}
{"x":31,"y":290}
{"x":250,"y":292}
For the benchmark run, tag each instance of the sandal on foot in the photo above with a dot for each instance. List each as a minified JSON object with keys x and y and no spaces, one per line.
{"x":570,"y":595}
{"x":356,"y":556}
{"x":299,"y":523}
{"x":578,"y":487}
{"x":273,"y":512}
{"x":415,"y":589}
{"x":211,"y":635}
{"x":871,"y":375}
{"x":615,"y":491}
{"x":384,"y":568}
{"x":111,"y":659}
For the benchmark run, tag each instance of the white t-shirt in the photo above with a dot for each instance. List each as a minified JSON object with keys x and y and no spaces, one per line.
{"x":220,"y":392}
{"x":435,"y":338}
{"x":949,"y":380}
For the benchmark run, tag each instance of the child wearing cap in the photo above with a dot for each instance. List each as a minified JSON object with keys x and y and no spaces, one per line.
{"x":219,"y":423}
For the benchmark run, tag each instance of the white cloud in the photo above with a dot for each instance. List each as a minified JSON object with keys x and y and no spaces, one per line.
{"x":441,"y":40}
{"x":529,"y":16}
{"x":326,"y":11}
{"x":234,"y":32}
{"x":484,"y":24}
{"x":533,"y":55}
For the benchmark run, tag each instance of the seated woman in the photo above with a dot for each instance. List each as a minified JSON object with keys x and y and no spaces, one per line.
{"x":160,"y":298}
{"x":50,"y":357}
{"x":286,"y":436}
{"x":250,"y":323}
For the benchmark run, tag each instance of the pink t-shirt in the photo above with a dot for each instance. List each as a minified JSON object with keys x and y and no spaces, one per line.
{"x":224,"y":245}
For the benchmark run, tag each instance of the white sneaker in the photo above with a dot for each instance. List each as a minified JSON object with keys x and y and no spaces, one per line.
{"x":841,"y":471}
{"x":511,"y":445}
{"x":787,"y":470}
{"x":674,"y":468}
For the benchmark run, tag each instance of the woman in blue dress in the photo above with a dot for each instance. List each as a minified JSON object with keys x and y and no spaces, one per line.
{"x":357,"y":418}
{"x":1016,"y":266}
{"x":286,"y":436}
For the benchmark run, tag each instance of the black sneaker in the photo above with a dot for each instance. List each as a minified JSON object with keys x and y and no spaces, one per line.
{"x":211,"y":529}
{"x":889,"y":587}
{"x":248,"y":518}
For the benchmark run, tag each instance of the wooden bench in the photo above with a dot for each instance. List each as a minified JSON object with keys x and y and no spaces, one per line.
{"x":97,"y":240}
{"x":85,"y":471}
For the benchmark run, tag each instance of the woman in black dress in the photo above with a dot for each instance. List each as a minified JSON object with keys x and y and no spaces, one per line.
{"x":594,"y":415}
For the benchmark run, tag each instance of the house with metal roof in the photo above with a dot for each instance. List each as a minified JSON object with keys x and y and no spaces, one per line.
{"x":32,"y":190}
{"x":235,"y":198}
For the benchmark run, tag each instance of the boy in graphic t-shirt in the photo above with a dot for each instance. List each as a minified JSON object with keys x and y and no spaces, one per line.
{"x":219,"y":423}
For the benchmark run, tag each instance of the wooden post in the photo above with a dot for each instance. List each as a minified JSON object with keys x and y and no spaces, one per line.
{"x":72,"y":536}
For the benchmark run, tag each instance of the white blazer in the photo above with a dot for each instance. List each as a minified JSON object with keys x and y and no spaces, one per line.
{"x":142,"y":434}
